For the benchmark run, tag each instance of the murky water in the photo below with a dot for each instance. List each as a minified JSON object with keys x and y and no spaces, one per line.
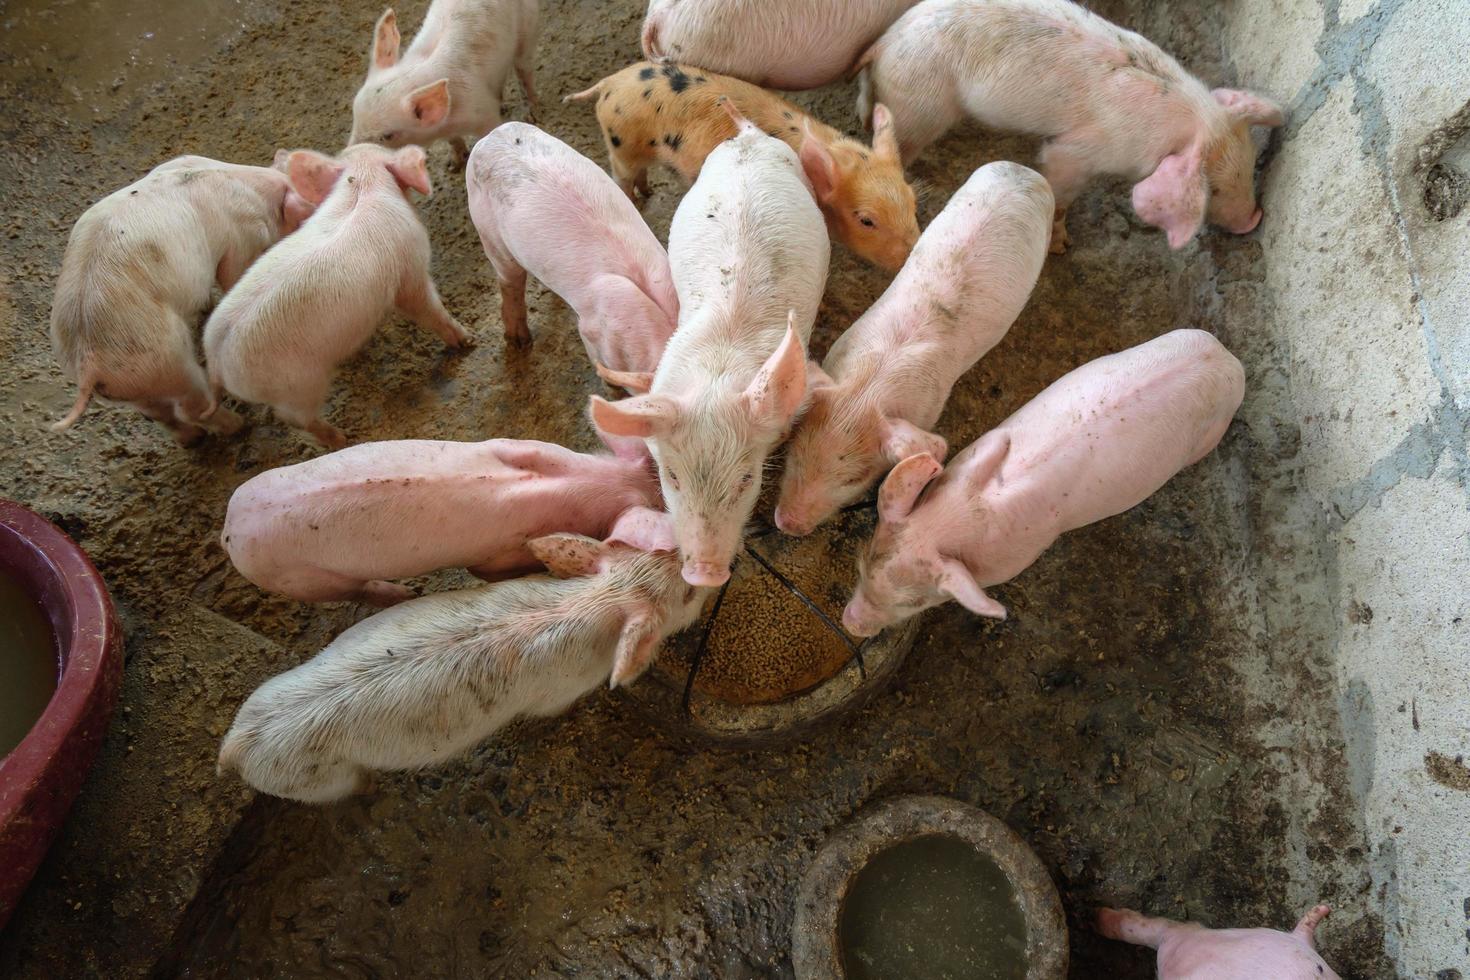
{"x":933,"y":907}
{"x":98,"y":53}
{"x":28,"y":662}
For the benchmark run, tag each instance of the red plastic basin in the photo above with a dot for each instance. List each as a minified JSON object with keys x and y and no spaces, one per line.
{"x":40,"y":778}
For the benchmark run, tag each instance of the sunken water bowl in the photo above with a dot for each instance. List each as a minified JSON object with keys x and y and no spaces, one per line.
{"x":57,"y":630}
{"x":925,"y":886}
{"x":767,"y":664}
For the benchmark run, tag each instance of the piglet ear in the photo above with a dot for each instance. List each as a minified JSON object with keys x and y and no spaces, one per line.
{"x":645,"y":529}
{"x":885,"y":137}
{"x":643,"y":416}
{"x":904,"y":484}
{"x":1173,"y":197}
{"x":410,"y":167}
{"x":430,"y":104}
{"x":1250,"y":108}
{"x":777,"y":391}
{"x":956,"y":582}
{"x":568,"y":555}
{"x":818,"y":164}
{"x":900,"y":439}
{"x":816,"y":378}
{"x":385,"y":41}
{"x":312,"y":174}
{"x":635,"y":648}
{"x":637,"y":382}
{"x":281,"y":161}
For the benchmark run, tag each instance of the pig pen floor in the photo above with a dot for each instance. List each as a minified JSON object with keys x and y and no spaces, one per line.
{"x":1137,"y":719}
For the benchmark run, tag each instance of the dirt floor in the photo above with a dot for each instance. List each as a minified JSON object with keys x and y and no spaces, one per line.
{"x":1135,"y":719}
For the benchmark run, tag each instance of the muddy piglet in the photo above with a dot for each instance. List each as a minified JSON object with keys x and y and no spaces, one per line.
{"x":542,"y":207}
{"x":1188,"y":951}
{"x":313,"y":300}
{"x":797,"y":44}
{"x":652,"y":113}
{"x":139,"y":270}
{"x":450,"y":82}
{"x":422,"y":682}
{"x":749,"y":256}
{"x":889,"y":375}
{"x":1096,"y":443}
{"x":1107,"y":100}
{"x":342,"y":525}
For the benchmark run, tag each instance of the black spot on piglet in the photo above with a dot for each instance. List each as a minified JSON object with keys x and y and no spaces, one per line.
{"x":678,"y":81}
{"x":613,"y":139}
{"x":645,"y":74}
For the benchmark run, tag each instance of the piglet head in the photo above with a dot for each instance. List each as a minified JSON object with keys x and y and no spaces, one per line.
{"x":710,"y":447}
{"x":905,"y":569}
{"x":408,"y":166}
{"x":389,"y":108}
{"x":1230,"y":162}
{"x":843,"y":444}
{"x":868,"y":204}
{"x":655,"y":601}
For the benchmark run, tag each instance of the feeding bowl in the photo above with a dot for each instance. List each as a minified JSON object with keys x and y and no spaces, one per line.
{"x":995,"y":915}
{"x":769,"y":657}
{"x":53,"y":591}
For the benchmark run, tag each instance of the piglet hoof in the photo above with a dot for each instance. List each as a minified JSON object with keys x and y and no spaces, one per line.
{"x":520,"y":341}
{"x":384,"y":594}
{"x":1059,"y":240}
{"x":226,"y":422}
{"x":327,"y":434}
{"x":460,"y":152}
{"x":461,"y":343}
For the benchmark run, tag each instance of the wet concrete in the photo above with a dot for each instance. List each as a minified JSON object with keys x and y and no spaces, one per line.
{"x":1136,"y":720}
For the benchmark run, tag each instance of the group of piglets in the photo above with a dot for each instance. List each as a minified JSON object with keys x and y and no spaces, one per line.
{"x":709,"y":339}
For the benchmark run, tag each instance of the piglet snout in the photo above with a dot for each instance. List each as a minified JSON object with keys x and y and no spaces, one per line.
{"x":855,"y":620}
{"x":705,"y":573}
{"x":791,"y":524}
{"x":1247,"y":226}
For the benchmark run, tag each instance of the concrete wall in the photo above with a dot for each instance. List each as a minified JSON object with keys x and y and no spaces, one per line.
{"x":1363,"y":365}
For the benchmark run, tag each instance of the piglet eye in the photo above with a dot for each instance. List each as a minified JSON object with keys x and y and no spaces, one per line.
{"x":867,"y":221}
{"x":674,"y":478}
{"x":745,"y":481}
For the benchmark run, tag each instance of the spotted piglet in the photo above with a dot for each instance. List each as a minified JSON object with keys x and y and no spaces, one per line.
{"x":1188,"y":951}
{"x":749,"y":256}
{"x":651,"y":113}
{"x":139,"y":270}
{"x":450,"y":82}
{"x":342,"y":525}
{"x":422,"y":682}
{"x":799,"y":45}
{"x":1094,"y":444}
{"x":315,"y":299}
{"x":1108,"y":101}
{"x":889,"y":375}
{"x":542,"y":207}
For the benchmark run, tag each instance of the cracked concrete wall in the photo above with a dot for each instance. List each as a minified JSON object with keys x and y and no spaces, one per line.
{"x":1364,"y":241}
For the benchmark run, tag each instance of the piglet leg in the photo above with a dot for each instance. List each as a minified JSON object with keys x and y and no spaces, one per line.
{"x":419,"y":300}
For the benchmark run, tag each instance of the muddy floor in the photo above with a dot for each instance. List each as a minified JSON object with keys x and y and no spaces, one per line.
{"x":1136,"y":719}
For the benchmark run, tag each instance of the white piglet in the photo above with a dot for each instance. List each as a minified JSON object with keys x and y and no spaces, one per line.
{"x":315,"y":299}
{"x":796,"y":44}
{"x":1107,"y":100}
{"x":139,"y":270}
{"x":340,"y":526}
{"x":542,"y":207}
{"x":1096,"y":443}
{"x":422,"y":682}
{"x":749,"y":251}
{"x":889,"y":375}
{"x":450,"y":82}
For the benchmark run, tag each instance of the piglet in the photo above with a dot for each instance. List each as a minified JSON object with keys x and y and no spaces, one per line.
{"x":798,"y":44}
{"x":540,"y":206}
{"x":424,"y":681}
{"x":339,"y":526}
{"x":888,"y":376}
{"x":1107,"y":100}
{"x":749,"y":256}
{"x":1094,"y":444}
{"x":1188,"y":951}
{"x":315,"y":299}
{"x":450,"y":82}
{"x":138,"y":272}
{"x":676,"y":115}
